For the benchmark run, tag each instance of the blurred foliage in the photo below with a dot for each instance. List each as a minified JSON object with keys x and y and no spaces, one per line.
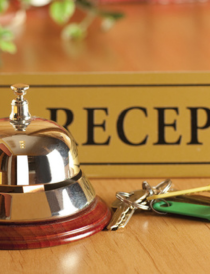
{"x":61,"y":12}
{"x":73,"y":31}
{"x":6,"y":40}
{"x":3,"y":5}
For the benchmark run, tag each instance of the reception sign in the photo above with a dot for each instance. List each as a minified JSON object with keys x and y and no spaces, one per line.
{"x":126,"y":124}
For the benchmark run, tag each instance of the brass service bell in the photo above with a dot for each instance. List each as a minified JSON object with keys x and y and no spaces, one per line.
{"x":41,"y":180}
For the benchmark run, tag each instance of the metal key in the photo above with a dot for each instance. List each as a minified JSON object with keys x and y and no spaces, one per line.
{"x":141,"y":205}
{"x":126,"y":204}
{"x":178,"y":193}
{"x":191,"y":199}
{"x":177,"y":197}
{"x":167,"y":189}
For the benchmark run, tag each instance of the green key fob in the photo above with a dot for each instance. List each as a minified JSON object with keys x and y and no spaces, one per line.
{"x":193,"y":210}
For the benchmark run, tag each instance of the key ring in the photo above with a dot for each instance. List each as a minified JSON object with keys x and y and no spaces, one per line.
{"x":168,"y":184}
{"x":158,"y":212}
{"x":157,"y":190}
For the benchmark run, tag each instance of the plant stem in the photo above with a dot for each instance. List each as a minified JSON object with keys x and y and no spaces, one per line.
{"x":87,"y":21}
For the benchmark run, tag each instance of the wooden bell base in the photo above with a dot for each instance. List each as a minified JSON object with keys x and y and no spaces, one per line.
{"x":50,"y":233}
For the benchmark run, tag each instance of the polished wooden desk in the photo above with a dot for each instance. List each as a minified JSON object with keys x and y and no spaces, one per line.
{"x":150,"y":38}
{"x":149,"y":244}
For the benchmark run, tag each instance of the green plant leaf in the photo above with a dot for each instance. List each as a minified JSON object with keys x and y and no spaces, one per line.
{"x":6,"y":34}
{"x":62,"y":11}
{"x":7,"y":46}
{"x":3,"y":5}
{"x":112,"y":15}
{"x":86,"y":4}
{"x":73,"y":31}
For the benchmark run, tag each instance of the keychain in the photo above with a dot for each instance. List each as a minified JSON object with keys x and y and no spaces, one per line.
{"x":187,"y":209}
{"x":157,"y":199}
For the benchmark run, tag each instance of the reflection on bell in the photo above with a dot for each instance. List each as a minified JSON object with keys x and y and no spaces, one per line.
{"x":41,"y":184}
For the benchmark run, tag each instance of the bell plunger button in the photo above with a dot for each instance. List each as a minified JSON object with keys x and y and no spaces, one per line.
{"x":20,"y":89}
{"x":20,"y":117}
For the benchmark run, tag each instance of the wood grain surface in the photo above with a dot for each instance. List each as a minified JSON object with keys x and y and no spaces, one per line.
{"x":149,"y":38}
{"x":149,"y":244}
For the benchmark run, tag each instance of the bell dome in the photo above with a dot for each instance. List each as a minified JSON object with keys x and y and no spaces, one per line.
{"x":42,"y":153}
{"x":34,"y":150}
